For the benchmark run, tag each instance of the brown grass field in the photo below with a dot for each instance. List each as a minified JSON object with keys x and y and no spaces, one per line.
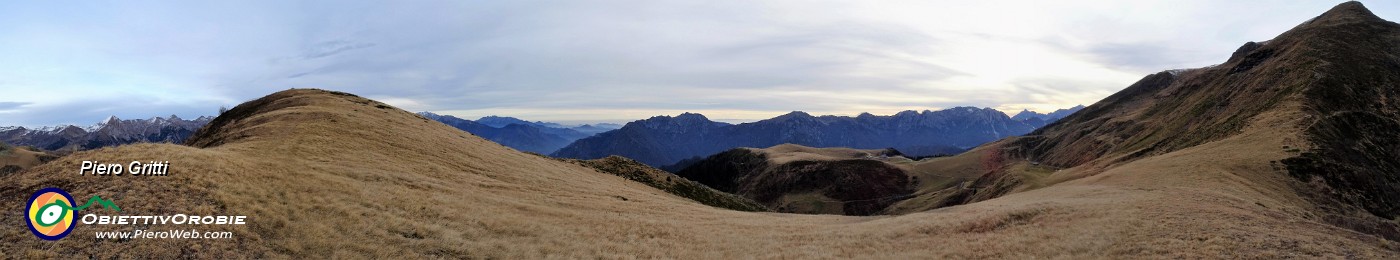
{"x":327,"y":175}
{"x":784,"y":153}
{"x":13,"y":159}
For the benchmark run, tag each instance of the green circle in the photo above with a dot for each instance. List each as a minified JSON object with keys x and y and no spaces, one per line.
{"x":63,"y":212}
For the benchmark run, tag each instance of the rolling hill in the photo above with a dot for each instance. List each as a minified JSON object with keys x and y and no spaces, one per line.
{"x":14,"y":159}
{"x":799,"y":179}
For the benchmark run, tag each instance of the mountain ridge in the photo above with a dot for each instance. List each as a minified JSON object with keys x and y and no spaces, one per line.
{"x":1048,"y":117}
{"x":109,"y":132}
{"x":536,"y":137}
{"x":665,"y":140}
{"x":1317,"y":94}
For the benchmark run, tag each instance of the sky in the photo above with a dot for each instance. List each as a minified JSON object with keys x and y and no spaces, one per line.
{"x":78,"y":62}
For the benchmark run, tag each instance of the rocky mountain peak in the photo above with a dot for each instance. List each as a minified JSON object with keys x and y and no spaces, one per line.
{"x":794,"y":115}
{"x":1349,"y":12}
{"x":688,"y":116}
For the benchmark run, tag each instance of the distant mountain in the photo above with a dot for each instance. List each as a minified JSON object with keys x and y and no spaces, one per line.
{"x":587,"y":130}
{"x":1050,"y":117}
{"x":596,"y":128}
{"x":501,"y":121}
{"x":536,"y":137}
{"x":664,"y":140}
{"x":455,"y":122}
{"x":111,"y":132}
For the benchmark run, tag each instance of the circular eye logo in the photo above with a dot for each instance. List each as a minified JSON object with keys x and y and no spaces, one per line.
{"x":50,"y":213}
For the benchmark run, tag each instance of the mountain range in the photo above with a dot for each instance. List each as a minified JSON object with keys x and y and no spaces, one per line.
{"x":110,"y":132}
{"x":1027,"y":114}
{"x":536,"y":137}
{"x":586,"y":129}
{"x":665,"y":140}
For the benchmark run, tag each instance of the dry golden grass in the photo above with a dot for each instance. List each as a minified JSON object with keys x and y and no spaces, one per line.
{"x":670,"y":183}
{"x":20,"y":158}
{"x":327,"y":175}
{"x":784,"y":153}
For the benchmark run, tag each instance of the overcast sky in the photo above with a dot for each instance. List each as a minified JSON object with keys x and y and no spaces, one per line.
{"x":77,"y":62}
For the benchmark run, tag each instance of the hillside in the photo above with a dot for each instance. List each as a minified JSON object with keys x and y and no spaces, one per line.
{"x":1316,"y":96}
{"x":14,"y":159}
{"x":799,"y":179}
{"x":662,"y":180}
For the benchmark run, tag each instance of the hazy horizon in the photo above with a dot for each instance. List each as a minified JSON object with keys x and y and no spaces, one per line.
{"x":472,"y":116}
{"x":620,"y":121}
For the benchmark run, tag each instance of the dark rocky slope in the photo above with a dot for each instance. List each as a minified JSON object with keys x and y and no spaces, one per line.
{"x":858,"y":185}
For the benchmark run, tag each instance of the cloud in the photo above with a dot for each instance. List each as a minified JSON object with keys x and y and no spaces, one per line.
{"x":90,"y":111}
{"x":12,"y":105}
{"x":586,"y":60}
{"x":328,"y":48}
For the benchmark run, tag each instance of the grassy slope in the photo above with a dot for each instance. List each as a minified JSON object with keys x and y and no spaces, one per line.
{"x":669,"y":182}
{"x":785,"y":153}
{"x":834,"y":180}
{"x":13,"y":159}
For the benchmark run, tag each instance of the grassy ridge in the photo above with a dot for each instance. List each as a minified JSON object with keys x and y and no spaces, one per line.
{"x":656,"y":178}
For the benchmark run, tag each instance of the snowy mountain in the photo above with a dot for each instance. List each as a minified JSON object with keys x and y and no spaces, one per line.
{"x":110,"y":132}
